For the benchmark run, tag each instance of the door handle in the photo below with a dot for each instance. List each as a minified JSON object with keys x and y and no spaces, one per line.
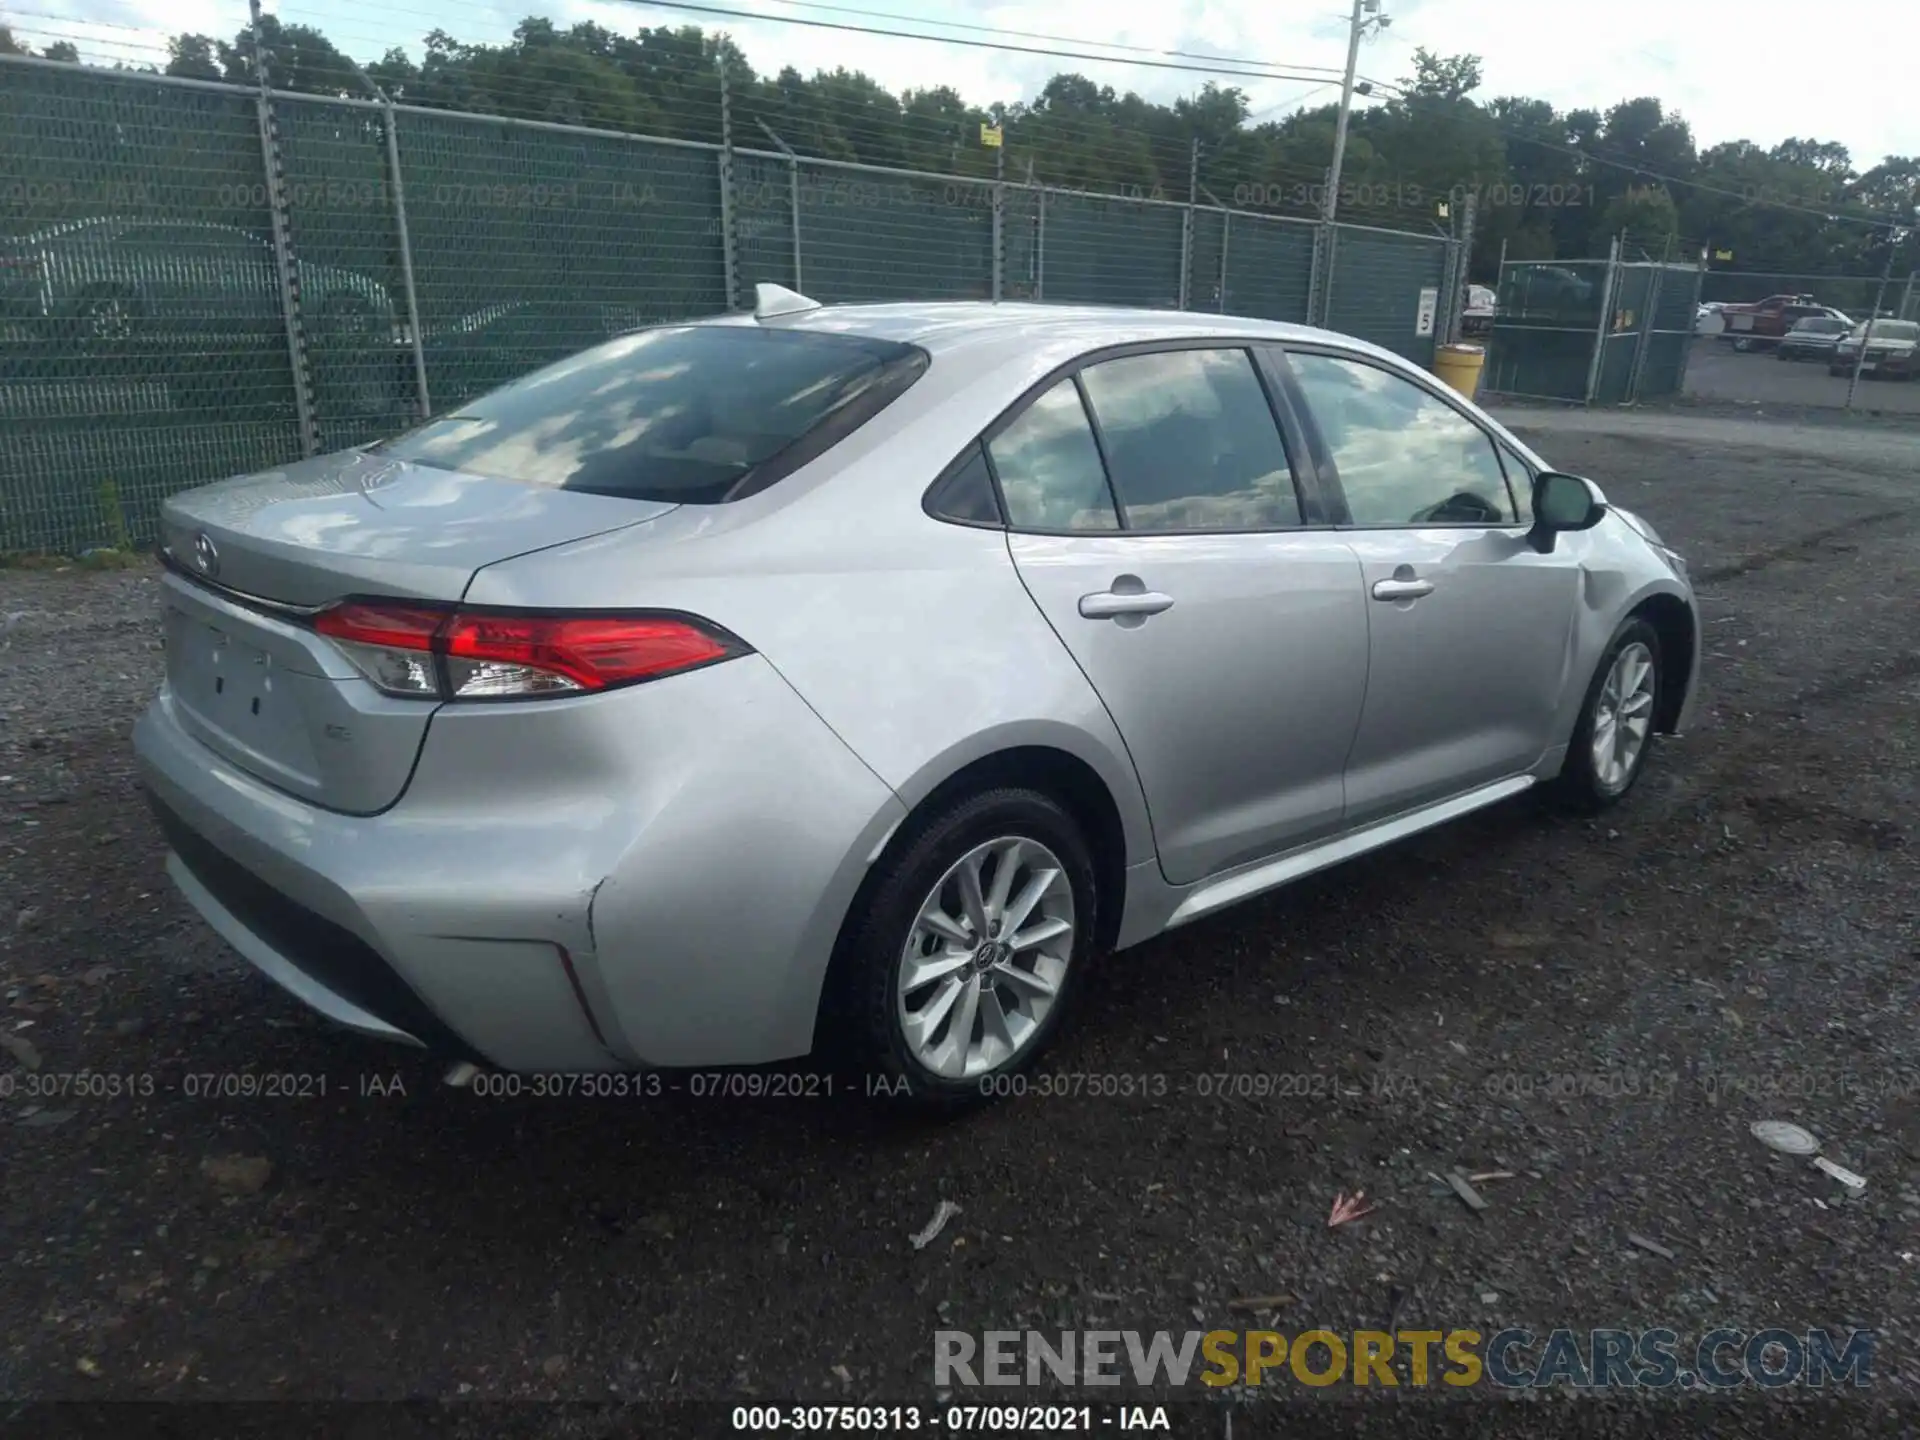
{"x":1401,"y":589}
{"x":1112,"y":604}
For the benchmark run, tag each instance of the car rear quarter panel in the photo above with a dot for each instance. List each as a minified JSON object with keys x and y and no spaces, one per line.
{"x":912,"y":638}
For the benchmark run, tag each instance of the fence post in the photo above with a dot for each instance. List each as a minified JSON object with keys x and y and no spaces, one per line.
{"x":793,"y":201}
{"x":999,"y":216}
{"x":1326,"y":285}
{"x":1040,"y":247}
{"x":1226,"y":233}
{"x":1186,"y":224}
{"x":1463,"y":267}
{"x":732,"y":274}
{"x":1315,"y":263}
{"x":285,"y":264}
{"x":1906,"y":296}
{"x":1605,"y":325}
{"x":1873,"y":319}
{"x":392,"y":126}
{"x":1686,"y":341}
{"x":1646,"y":329}
{"x":793,"y":191}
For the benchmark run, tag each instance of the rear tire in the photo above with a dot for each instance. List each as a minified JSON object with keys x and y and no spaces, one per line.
{"x":913,"y":967}
{"x":1614,"y":736}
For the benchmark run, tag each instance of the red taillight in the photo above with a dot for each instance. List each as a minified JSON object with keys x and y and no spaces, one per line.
{"x":400,"y":627}
{"x":440,"y":653}
{"x":591,"y":652}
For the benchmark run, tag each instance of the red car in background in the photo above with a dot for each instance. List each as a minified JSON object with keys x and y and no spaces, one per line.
{"x":1749,"y":327}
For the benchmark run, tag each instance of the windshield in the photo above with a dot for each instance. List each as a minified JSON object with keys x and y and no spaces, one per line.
{"x":1821,"y":325}
{"x":694,"y":414}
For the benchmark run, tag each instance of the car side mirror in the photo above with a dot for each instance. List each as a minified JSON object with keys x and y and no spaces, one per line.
{"x":1563,"y":502}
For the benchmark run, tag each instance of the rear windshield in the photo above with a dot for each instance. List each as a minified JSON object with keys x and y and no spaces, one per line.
{"x":1891,"y":330}
{"x":693,"y":414}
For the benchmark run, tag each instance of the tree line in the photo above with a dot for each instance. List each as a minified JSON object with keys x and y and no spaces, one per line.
{"x":1546,"y":183}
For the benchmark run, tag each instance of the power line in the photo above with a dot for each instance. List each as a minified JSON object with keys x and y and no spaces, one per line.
{"x":1032,"y":35}
{"x":1185,"y":66}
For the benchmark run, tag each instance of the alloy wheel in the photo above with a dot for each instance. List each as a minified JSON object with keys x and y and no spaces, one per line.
{"x":1623,"y":716}
{"x":986,"y":958}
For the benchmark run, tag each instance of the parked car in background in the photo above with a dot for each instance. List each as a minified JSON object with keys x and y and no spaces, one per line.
{"x":1890,"y":350}
{"x":1477,"y":317}
{"x":824,"y":677}
{"x":1814,"y":337}
{"x":113,"y":281}
{"x":1706,"y":318}
{"x":1760,"y":325}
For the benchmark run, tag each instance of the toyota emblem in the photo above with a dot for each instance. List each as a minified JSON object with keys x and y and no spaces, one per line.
{"x":206,"y":555}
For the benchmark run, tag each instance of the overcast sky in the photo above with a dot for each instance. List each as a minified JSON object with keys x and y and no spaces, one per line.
{"x":1726,"y":65}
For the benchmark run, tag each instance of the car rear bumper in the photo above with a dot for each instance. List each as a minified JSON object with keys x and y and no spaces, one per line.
{"x":534,"y":909}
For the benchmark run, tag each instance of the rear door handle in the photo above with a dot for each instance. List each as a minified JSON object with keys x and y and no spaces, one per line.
{"x":1111,"y":604}
{"x":1401,"y":589}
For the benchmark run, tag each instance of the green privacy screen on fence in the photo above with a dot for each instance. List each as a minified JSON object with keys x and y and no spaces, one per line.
{"x":1592,"y":331}
{"x":429,"y":256}
{"x":1546,"y":324}
{"x":1376,"y":292}
{"x":100,"y":420}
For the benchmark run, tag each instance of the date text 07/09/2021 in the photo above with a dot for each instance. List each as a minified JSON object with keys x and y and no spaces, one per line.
{"x":968,"y":1419}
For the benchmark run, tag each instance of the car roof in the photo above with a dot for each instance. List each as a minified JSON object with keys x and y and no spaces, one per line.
{"x":95,"y":222}
{"x":937,"y":326}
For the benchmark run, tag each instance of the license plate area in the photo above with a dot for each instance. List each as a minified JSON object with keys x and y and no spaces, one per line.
{"x":237,"y":696}
{"x":219,"y":673}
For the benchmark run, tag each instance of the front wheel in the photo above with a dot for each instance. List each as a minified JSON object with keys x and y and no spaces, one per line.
{"x":1743,"y":344}
{"x":969,"y":948}
{"x":1615,"y":731}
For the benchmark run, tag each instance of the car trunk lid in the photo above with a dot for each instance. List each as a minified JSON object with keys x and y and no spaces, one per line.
{"x":360,"y":522}
{"x":252,"y":560}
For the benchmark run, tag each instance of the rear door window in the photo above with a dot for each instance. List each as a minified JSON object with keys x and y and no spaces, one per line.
{"x":1049,"y":466}
{"x":1191,"y":442}
{"x":695,"y":414}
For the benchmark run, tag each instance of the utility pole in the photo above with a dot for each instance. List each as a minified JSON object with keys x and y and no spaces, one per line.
{"x":1365,"y":13}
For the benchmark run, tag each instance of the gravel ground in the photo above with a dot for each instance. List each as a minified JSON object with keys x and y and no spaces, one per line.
{"x":1599,"y":1008}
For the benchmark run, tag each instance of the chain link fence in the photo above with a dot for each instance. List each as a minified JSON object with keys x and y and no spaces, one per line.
{"x":1789,"y":340}
{"x":200,"y":279}
{"x":1590,"y":332}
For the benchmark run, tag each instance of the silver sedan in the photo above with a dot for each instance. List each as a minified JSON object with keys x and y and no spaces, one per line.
{"x":856,"y":677}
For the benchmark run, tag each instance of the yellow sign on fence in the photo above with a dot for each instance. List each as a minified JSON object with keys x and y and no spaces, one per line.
{"x":990,"y":135}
